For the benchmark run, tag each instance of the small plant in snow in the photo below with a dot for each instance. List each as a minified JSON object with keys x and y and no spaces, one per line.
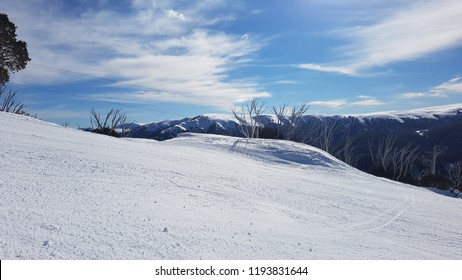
{"x":108,"y":124}
{"x":9,"y":104}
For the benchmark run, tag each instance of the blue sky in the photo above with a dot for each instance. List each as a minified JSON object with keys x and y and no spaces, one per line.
{"x":170,"y":59}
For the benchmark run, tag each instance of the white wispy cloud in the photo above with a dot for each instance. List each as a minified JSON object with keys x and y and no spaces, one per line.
{"x":446,"y":89}
{"x":369,"y":102}
{"x":410,"y":31}
{"x":411,"y":95}
{"x":286,"y":82}
{"x":347,"y":70}
{"x":175,"y":14}
{"x":453,"y":86}
{"x":337,"y":103}
{"x":365,"y":101}
{"x":164,"y":46}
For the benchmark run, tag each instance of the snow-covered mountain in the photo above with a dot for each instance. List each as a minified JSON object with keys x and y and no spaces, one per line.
{"x":68,"y":194}
{"x":213,"y":124}
{"x":227,"y":125}
{"x":435,"y":112}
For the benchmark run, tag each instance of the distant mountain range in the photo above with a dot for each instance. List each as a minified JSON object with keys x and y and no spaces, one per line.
{"x":431,"y":122}
{"x":422,"y":128}
{"x":210,"y":124}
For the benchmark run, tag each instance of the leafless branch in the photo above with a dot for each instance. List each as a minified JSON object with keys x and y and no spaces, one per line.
{"x":248,"y":117}
{"x":108,"y":124}
{"x":455,"y":174}
{"x":8,"y":103}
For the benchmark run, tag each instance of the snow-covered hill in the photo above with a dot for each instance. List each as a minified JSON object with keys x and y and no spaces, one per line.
{"x":214,"y":124}
{"x":227,"y":124}
{"x":68,"y":194}
{"x":435,"y":112}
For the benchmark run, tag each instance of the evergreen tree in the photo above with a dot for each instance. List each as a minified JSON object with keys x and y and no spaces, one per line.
{"x":13,"y":52}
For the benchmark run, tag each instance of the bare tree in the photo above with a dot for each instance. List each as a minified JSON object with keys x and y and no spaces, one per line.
{"x":309,"y":132}
{"x":418,"y":173}
{"x":109,"y":123}
{"x":398,"y":162}
{"x":402,"y":161}
{"x":349,"y":152}
{"x":8,"y":103}
{"x":294,"y":119}
{"x":437,"y":150}
{"x":382,"y":156}
{"x":327,"y":130}
{"x":455,"y":174}
{"x":280,"y":113}
{"x":287,"y":124}
{"x":248,"y":117}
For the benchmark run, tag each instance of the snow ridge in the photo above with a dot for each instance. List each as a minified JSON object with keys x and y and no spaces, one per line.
{"x":227,"y":125}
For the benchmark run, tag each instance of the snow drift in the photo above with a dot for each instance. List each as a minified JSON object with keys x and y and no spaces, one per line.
{"x":68,"y":194}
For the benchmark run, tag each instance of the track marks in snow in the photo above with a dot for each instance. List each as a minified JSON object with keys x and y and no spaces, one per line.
{"x":74,"y":195}
{"x":384,"y":219}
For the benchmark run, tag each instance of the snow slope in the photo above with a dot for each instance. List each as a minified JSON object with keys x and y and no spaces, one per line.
{"x":68,"y":194}
{"x":434,"y":112}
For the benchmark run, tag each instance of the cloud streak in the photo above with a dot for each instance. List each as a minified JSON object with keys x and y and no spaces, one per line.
{"x":446,"y":89}
{"x":333,"y":69}
{"x":407,"y":33}
{"x":451,"y":88}
{"x":365,"y":101}
{"x":369,"y":102}
{"x":170,"y":50}
{"x":337,"y":103}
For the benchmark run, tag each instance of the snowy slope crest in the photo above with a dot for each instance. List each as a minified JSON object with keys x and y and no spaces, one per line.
{"x":68,"y":194}
{"x":434,"y":112}
{"x":267,"y":150}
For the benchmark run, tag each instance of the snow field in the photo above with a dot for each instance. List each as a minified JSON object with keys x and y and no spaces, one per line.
{"x":68,"y":194}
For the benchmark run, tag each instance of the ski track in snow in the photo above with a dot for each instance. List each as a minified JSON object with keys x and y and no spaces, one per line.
{"x":382,"y":220}
{"x":68,"y":194}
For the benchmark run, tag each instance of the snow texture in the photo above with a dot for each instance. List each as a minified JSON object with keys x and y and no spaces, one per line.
{"x":434,"y":112}
{"x":68,"y":194}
